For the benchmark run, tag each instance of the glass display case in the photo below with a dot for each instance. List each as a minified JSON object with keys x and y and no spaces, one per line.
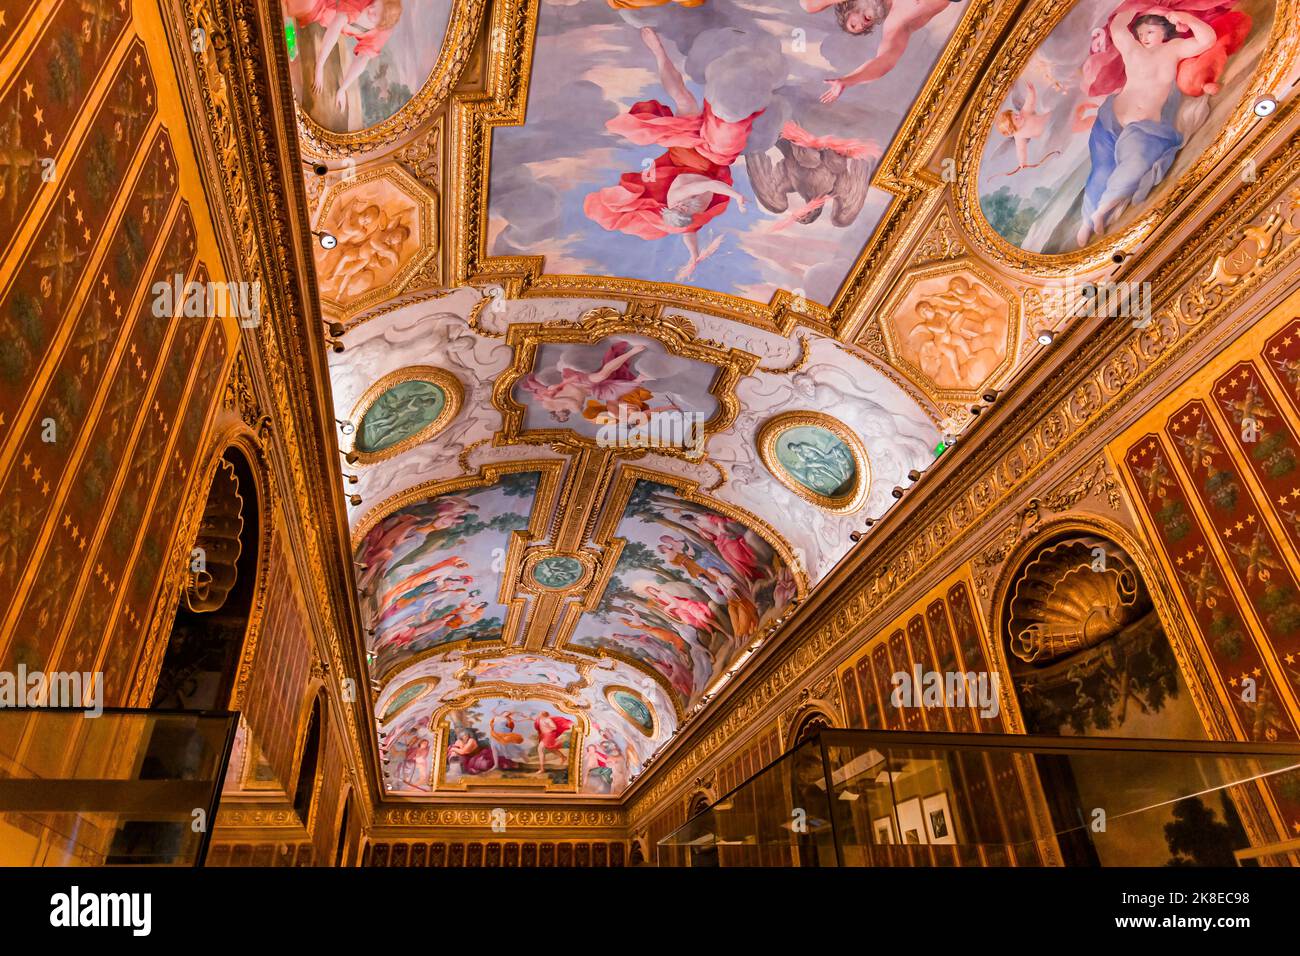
{"x":123,"y":787}
{"x":889,"y":798}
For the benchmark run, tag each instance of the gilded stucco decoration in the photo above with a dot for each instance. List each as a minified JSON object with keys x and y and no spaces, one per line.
{"x":853,"y":342}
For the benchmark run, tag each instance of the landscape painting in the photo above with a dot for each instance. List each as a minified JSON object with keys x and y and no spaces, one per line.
{"x":691,"y":588}
{"x":498,"y":740}
{"x":432,"y":570}
{"x":1117,"y":102}
{"x":355,"y":63}
{"x":729,"y":144}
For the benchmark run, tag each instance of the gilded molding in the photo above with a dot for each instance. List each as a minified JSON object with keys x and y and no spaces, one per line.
{"x":457,"y":45}
{"x":453,"y":396}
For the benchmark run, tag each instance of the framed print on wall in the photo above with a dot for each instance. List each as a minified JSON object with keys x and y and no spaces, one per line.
{"x":938,"y":818}
{"x":911,"y":822}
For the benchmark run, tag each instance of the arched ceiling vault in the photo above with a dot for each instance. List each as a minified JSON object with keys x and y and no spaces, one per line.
{"x":640,"y":309}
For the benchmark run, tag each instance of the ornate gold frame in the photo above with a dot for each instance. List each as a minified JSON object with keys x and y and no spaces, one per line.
{"x":528,"y":583}
{"x":654,"y":718}
{"x":958,"y":266}
{"x":902,"y":173}
{"x":603,"y":537}
{"x":390,"y":715}
{"x":458,"y":41}
{"x":469,"y":680}
{"x":428,"y":235}
{"x":676,"y":333}
{"x":774,"y":427}
{"x":1007,"y":66}
{"x":441,"y":734}
{"x":452,"y":390}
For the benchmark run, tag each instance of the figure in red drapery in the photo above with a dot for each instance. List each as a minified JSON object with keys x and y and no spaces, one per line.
{"x":550,"y":728}
{"x":687,"y":185}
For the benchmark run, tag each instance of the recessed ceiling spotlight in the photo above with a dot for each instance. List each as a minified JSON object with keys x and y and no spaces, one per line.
{"x":1265,"y":106}
{"x":1046,"y":337}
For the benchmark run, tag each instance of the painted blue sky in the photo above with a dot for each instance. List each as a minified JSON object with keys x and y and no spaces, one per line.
{"x":590,"y":65}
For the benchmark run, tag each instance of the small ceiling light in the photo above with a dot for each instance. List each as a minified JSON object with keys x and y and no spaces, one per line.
{"x":870,"y":522}
{"x":352,"y":479}
{"x":1046,"y":337}
{"x":336,"y":346}
{"x":346,"y":428}
{"x":1265,"y":106}
{"x":855,"y":536}
{"x":337,"y":329}
{"x":354,"y":500}
{"x":991,"y":396}
{"x":350,"y":457}
{"x":913,"y":475}
{"x":897,"y":492}
{"x":327,"y":239}
{"x":320,"y":169}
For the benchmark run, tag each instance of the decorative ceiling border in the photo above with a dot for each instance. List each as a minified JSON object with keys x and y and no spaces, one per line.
{"x":240,"y":111}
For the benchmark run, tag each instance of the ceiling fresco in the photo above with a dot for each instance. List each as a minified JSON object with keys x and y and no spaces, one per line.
{"x":1060,"y":170}
{"x":640,"y":313}
{"x":355,"y":63}
{"x":726,"y":143}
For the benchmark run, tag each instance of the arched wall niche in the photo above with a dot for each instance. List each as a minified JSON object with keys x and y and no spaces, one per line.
{"x":1209,"y":706}
{"x":309,"y":762}
{"x":345,"y":819}
{"x":217,"y":586}
{"x":1087,"y":645}
{"x":808,"y":720}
